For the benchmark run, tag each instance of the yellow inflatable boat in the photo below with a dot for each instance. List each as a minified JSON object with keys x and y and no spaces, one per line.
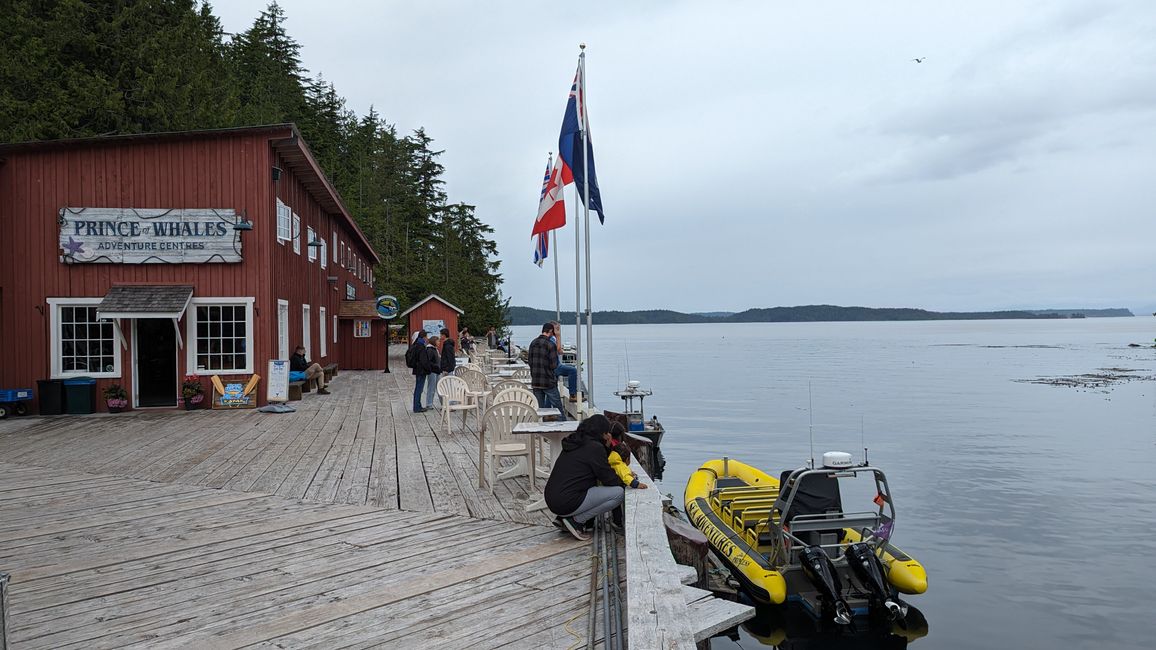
{"x":799,"y":543}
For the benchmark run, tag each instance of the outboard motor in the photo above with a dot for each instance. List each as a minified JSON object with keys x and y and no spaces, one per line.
{"x":869,"y":570}
{"x":819,"y":570}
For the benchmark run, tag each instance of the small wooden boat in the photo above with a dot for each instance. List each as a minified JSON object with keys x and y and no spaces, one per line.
{"x":798,"y":543}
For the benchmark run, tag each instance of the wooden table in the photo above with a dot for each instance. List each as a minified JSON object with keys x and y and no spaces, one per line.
{"x":554,"y":432}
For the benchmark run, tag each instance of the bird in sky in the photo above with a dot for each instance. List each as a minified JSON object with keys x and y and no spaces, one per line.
{"x":920,"y":59}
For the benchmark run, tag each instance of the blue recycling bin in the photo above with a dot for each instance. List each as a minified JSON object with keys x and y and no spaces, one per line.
{"x":80,"y":396}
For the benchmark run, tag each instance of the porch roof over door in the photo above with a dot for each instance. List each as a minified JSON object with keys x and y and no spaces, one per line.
{"x":146,"y":301}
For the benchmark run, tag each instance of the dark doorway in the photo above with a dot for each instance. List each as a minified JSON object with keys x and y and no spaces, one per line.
{"x":156,"y":362}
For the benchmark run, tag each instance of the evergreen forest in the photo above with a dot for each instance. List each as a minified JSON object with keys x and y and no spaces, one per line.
{"x":83,"y":68}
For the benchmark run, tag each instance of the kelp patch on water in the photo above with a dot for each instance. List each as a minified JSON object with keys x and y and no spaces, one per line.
{"x":1102,"y":378}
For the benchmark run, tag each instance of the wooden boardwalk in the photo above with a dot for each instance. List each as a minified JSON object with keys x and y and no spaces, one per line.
{"x":351,"y":523}
{"x":360,"y":445}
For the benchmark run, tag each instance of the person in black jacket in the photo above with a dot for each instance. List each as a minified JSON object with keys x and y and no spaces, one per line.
{"x":427,"y":364}
{"x":449,"y":354}
{"x":300,"y":369}
{"x":573,"y":492}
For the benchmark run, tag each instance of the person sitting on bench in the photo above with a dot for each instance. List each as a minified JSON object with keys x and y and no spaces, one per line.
{"x":302,"y":370}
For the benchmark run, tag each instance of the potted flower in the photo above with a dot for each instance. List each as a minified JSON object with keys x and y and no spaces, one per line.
{"x":116,"y":397}
{"x":192,"y":391}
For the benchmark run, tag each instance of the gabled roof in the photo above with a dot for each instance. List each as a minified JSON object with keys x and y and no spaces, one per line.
{"x":285,"y":139}
{"x":432,"y":296}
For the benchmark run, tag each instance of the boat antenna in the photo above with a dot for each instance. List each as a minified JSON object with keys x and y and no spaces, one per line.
{"x":626,"y":348}
{"x":811,"y":423}
{"x":862,"y":439}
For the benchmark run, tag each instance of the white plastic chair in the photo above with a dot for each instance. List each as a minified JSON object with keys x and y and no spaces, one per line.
{"x":499,"y":441}
{"x":503,"y":384}
{"x":454,"y":394}
{"x":516,"y":394}
{"x":522,"y":374}
{"x":519,"y":393}
{"x":479,"y":388}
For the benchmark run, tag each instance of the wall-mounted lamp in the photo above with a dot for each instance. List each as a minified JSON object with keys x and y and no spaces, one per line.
{"x":316,"y":243}
{"x":243,"y":222}
{"x":276,"y":173}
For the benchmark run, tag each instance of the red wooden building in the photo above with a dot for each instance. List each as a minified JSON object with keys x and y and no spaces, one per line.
{"x":139,"y":259}
{"x":364,"y":334}
{"x":431,"y":314}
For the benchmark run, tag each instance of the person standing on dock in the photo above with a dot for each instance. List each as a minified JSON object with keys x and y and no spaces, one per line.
{"x":566,"y":370}
{"x":435,"y":368}
{"x":543,"y":359}
{"x":418,"y":359}
{"x":449,"y":353}
{"x":573,"y":492}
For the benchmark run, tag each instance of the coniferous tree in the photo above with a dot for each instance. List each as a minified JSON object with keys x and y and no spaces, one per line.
{"x":76,"y":68}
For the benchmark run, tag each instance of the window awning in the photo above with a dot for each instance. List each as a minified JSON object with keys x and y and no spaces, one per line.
{"x":146,"y":301}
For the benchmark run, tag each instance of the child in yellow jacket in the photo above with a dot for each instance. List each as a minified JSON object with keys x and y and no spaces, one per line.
{"x":620,"y":457}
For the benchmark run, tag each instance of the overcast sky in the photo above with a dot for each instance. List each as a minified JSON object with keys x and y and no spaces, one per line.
{"x":755,"y":154}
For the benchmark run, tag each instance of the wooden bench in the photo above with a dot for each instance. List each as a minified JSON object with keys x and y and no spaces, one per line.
{"x":295,"y":390}
{"x":330,"y":372}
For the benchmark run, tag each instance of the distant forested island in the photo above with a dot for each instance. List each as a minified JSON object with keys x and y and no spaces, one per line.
{"x":800,"y":314}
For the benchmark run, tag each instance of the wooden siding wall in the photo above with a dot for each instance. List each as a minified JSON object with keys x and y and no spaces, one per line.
{"x":302,"y":282}
{"x":225,"y":171}
{"x":363,"y":354}
{"x":434,"y":310}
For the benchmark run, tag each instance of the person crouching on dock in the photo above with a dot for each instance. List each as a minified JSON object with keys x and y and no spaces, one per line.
{"x":573,"y":492}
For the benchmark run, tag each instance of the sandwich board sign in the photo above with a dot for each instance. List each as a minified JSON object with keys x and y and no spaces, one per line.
{"x":277,"y":390}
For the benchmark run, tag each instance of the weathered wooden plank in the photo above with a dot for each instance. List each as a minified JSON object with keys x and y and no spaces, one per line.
{"x":656,"y":610}
{"x":412,"y":488}
{"x":302,"y":618}
{"x":712,"y":615}
{"x":381,"y":490}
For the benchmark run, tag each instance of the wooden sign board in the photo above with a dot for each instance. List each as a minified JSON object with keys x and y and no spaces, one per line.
{"x":233,"y":394}
{"x":149,"y":236}
{"x":277,"y":390}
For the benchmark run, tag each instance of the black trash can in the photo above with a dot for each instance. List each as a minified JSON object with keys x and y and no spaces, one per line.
{"x":51,"y":393}
{"x":80,"y":396}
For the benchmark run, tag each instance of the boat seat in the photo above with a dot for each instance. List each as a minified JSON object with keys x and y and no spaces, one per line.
{"x":729,"y":482}
{"x":812,"y":494}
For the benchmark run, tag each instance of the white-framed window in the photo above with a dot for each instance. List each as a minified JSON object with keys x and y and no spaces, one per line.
{"x":296,"y":233}
{"x":82,"y":344}
{"x":333,"y":242}
{"x":219,"y":334}
{"x":283,"y":329}
{"x":350,"y":291}
{"x":284,"y":233}
{"x":324,"y":254}
{"x":321,"y":329}
{"x":361,"y":329}
{"x":312,"y":249}
{"x":335,"y":329}
{"x":305,"y":327}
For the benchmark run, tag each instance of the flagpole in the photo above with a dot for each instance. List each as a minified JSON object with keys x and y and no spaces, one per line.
{"x":578,"y":284}
{"x":557,"y":288}
{"x":584,"y":126}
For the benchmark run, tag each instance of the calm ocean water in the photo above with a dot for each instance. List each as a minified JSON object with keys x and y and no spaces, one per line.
{"x":1032,"y":506}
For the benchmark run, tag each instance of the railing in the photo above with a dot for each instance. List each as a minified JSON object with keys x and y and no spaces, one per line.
{"x":656,"y":609}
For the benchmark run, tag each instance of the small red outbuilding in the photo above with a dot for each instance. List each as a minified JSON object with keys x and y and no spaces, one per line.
{"x":432,"y":314}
